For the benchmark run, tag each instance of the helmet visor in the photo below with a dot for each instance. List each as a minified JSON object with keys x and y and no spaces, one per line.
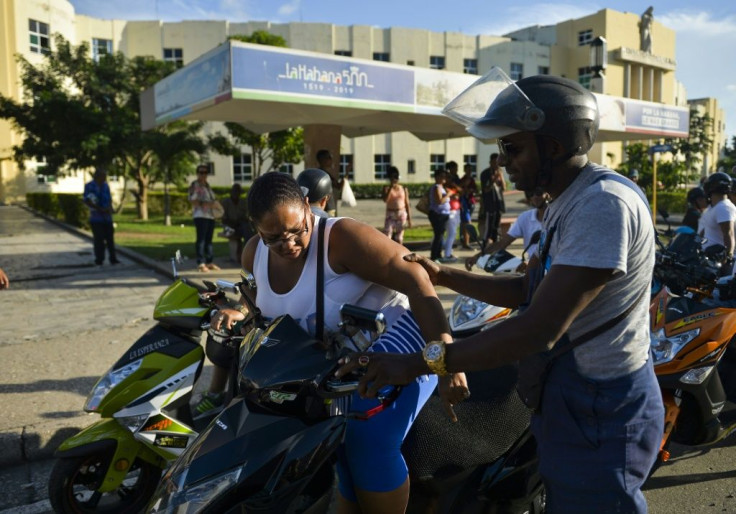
{"x":494,"y":106}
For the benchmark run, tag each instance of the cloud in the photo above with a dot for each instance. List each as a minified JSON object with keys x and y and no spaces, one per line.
{"x":512,"y":18}
{"x":289,"y":8}
{"x":702,"y":24}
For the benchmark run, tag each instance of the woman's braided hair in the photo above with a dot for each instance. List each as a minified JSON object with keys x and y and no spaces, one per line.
{"x":272,"y":189}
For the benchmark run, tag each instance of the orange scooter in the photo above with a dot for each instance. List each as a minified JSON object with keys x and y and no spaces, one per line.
{"x":693,"y":351}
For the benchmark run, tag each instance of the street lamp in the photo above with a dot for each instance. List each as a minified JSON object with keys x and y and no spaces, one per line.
{"x":598,"y":63}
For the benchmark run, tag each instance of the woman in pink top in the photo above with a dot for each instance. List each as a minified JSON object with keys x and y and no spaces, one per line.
{"x":396,"y":198}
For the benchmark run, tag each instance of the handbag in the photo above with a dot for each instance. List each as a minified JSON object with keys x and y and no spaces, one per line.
{"x":423,"y":203}
{"x":218,"y":211}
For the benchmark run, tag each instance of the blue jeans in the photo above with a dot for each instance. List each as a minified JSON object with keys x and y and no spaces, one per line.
{"x":203,"y":246}
{"x":597,"y":439}
{"x":439,"y":224}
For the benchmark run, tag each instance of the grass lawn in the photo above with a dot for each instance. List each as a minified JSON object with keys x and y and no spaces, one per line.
{"x":157,"y":241}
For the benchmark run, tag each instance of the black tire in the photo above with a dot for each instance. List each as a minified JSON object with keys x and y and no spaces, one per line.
{"x":74,"y":480}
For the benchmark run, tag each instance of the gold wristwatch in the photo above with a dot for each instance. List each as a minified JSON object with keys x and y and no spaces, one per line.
{"x":434,"y":356}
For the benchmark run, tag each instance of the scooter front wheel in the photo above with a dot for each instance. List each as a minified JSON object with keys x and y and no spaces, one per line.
{"x":74,"y":484}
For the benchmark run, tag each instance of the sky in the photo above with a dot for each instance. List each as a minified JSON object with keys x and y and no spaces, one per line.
{"x":705,"y":41}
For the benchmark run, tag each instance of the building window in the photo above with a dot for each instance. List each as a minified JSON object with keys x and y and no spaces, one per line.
{"x":470,"y":66}
{"x":101,"y":47}
{"x":175,"y":55}
{"x":381,"y":56}
{"x":517,"y":71}
{"x":344,"y":53}
{"x":410,"y":62}
{"x":584,"y":76}
{"x":243,"y":167}
{"x":585,"y":37}
{"x":436,"y":161}
{"x":39,"y":37}
{"x":542,"y":70}
{"x":411,"y":167}
{"x":437,"y":62}
{"x":346,"y":166}
{"x":381,"y":162}
{"x":287,"y":167}
{"x":472,"y":161}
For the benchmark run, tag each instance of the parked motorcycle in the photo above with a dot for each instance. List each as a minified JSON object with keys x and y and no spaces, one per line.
{"x":692,"y":346}
{"x":469,"y":315}
{"x":273,"y":449}
{"x":115,"y":464}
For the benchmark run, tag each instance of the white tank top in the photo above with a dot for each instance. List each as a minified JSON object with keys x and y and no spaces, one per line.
{"x":301,"y":302}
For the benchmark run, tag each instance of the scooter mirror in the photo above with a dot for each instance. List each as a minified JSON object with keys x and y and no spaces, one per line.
{"x":228,"y":286}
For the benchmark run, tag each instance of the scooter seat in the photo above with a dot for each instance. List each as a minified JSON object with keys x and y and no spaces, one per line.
{"x":489,"y":422}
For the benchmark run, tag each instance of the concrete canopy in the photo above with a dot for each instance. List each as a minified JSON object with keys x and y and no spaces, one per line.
{"x":268,"y":88}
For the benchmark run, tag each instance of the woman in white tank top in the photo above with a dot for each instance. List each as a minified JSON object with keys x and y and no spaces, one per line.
{"x":364,"y":267}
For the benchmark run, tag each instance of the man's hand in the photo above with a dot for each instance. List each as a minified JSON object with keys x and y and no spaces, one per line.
{"x":470,"y":261}
{"x":432,"y":268}
{"x":453,"y":389}
{"x":382,"y":369}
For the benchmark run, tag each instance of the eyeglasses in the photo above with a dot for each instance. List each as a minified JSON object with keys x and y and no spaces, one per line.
{"x":292,"y":238}
{"x":203,"y":173}
{"x":507,"y":149}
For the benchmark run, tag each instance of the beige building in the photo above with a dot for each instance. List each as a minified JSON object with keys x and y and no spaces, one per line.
{"x":562,"y":49}
{"x":717,"y":132}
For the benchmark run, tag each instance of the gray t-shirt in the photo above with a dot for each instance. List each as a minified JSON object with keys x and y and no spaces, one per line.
{"x":603,"y":223}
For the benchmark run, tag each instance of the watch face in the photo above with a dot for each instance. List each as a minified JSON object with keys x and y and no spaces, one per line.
{"x":433,"y":352}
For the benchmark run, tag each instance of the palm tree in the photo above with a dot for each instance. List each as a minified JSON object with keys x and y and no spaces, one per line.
{"x":176,"y":151}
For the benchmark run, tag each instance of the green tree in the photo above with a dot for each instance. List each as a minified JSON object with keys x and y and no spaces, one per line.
{"x":284,"y":146}
{"x":728,"y":161}
{"x":261,"y":37}
{"x":176,"y":148}
{"x":78,"y":113}
{"x":695,"y":146}
{"x":637,"y":158}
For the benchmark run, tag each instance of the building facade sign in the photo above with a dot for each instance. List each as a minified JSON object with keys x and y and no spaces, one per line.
{"x":204,"y":81}
{"x":658,"y":119}
{"x":295,"y":72}
{"x":639,"y":57}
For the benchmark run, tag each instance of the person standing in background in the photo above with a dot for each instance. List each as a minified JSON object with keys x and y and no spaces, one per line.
{"x":325,"y":163}
{"x":467,"y":204}
{"x":202,"y":199}
{"x":492,"y":186}
{"x":236,"y":217}
{"x":99,"y":200}
{"x":454,"y":190}
{"x":396,"y":198}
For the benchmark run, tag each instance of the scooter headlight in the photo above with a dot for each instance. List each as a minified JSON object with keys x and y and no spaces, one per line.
{"x":664,"y":348}
{"x":174,"y":498}
{"x":108,"y":381}
{"x":466,"y":310}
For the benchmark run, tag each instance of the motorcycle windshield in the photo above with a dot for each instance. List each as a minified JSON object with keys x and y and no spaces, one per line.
{"x":282,"y":354}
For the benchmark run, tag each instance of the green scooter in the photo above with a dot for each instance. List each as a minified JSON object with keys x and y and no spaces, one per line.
{"x":115,"y":464}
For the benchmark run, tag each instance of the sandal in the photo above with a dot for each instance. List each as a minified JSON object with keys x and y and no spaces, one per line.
{"x":213,"y":266}
{"x":203,"y":268}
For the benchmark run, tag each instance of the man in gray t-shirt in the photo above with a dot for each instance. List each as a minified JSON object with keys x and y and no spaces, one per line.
{"x":600,"y":419}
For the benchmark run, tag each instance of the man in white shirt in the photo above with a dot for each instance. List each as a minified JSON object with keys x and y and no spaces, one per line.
{"x":524,"y":227}
{"x":717,"y":222}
